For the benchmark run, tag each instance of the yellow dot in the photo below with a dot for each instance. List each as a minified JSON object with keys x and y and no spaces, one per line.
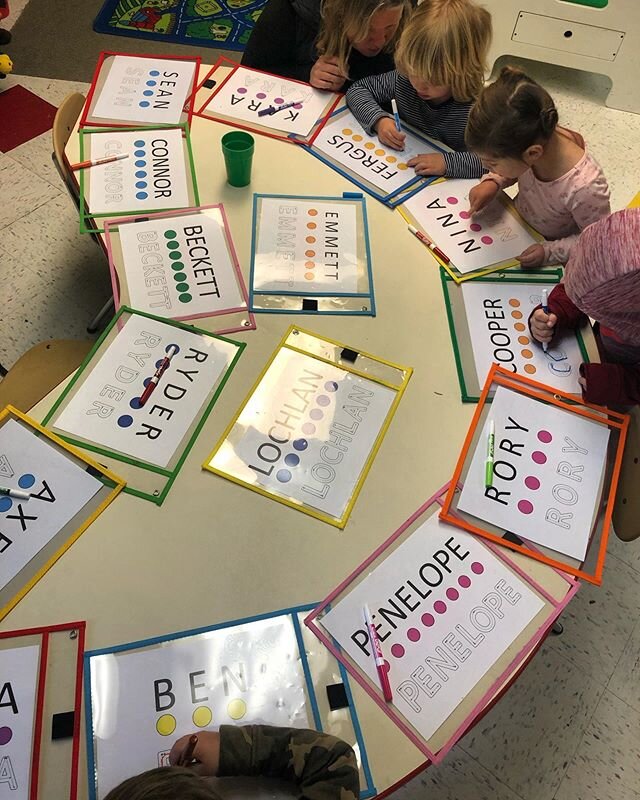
{"x":519,"y":326}
{"x":523,"y":340}
{"x":379,"y":152}
{"x":310,"y":239}
{"x":402,"y":166}
{"x":526,"y":353}
{"x":310,"y":264}
{"x":202,"y":716}
{"x":515,"y":303}
{"x":166,"y":725}
{"x":530,"y":369}
{"x":309,"y":253}
{"x":516,"y":314}
{"x":237,"y":709}
{"x":311,"y":225}
{"x":309,"y":276}
{"x":391,"y":159}
{"x":369,"y":145}
{"x":347,"y":131}
{"x":312,"y":212}
{"x":357,"y":138}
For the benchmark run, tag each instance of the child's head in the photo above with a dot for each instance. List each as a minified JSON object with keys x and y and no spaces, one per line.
{"x":443,"y":49}
{"x":511,"y":123}
{"x":164,"y":783}
{"x":368,"y":26}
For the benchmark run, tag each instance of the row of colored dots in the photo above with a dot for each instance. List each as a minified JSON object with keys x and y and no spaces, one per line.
{"x":310,"y":265}
{"x":149,"y":92}
{"x":25,"y":481}
{"x":180,"y":277}
{"x":523,"y":340}
{"x":531,"y":482}
{"x":140,"y":154}
{"x":372,"y":146}
{"x":262,"y":96}
{"x":202,"y":716}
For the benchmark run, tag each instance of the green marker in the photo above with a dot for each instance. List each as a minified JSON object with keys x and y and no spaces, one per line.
{"x":488,"y":464}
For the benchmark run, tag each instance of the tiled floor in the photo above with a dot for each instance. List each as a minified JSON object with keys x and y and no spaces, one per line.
{"x":570,"y":728}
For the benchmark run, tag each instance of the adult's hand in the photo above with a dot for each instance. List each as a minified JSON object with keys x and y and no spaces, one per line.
{"x":326,"y":74}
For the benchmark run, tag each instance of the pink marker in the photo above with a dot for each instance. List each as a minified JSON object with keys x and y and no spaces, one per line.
{"x":378,"y":658}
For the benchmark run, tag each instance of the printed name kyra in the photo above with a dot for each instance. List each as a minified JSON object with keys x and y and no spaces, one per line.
{"x":128,"y":382}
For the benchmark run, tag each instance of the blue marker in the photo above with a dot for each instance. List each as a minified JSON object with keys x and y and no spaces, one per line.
{"x":396,"y":116}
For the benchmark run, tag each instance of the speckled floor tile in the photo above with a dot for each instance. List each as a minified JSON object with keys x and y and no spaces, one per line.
{"x":625,"y":681}
{"x":22,"y":190}
{"x":35,"y":155}
{"x":459,"y":777}
{"x":531,"y":735}
{"x":629,"y":552}
{"x":584,"y":781}
{"x":609,"y":749}
{"x":599,"y":621}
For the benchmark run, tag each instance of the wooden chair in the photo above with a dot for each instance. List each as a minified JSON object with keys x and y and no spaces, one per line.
{"x":63,"y":125}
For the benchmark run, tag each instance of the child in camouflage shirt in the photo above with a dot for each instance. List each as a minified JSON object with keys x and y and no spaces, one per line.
{"x":323,"y":767}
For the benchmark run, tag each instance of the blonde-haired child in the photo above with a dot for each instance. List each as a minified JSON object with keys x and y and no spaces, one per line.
{"x":439,"y":73}
{"x":561,"y":188}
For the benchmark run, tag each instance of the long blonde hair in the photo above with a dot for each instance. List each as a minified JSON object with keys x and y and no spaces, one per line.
{"x":347,"y":21}
{"x":446,"y":44}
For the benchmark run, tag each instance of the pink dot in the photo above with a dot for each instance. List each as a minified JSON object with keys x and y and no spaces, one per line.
{"x":464,"y":215}
{"x":316,"y":414}
{"x":261,"y":95}
{"x":464,"y":581}
{"x":308,"y":428}
{"x":525,"y":506}
{"x":397,"y":651}
{"x":297,"y":105}
{"x":241,"y":90}
{"x":539,"y":457}
{"x":453,"y":594}
{"x":545,"y":437}
{"x":278,"y":100}
{"x":386,"y":666}
{"x":452,"y":200}
{"x":439,"y":607}
{"x":427,"y":620}
{"x":413,"y":635}
{"x":531,"y":482}
{"x":475,"y":227}
{"x":486,"y":240}
{"x":477,"y":568}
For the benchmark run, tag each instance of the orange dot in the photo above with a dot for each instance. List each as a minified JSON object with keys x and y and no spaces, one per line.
{"x":526,"y":353}
{"x":379,"y":152}
{"x":311,"y":240}
{"x":369,"y":145}
{"x":310,"y":264}
{"x":402,"y":166}
{"x":529,"y":368}
{"x":309,"y":253}
{"x":391,"y":159}
{"x":311,"y":225}
{"x":515,"y":303}
{"x":309,"y":276}
{"x":516,"y":314}
{"x":519,"y":326}
{"x":523,"y":340}
{"x":347,"y":131}
{"x":357,"y":138}
{"x":312,"y":212}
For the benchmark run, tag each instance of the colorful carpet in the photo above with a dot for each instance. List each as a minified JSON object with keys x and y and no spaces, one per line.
{"x":210,"y":23}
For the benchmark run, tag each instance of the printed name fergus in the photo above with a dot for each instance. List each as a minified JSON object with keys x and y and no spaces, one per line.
{"x":310,"y":237}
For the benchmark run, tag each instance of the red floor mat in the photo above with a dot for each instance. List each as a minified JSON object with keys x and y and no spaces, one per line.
{"x":24,"y":116}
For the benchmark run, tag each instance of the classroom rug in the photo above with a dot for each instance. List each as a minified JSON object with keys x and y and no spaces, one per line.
{"x":24,"y":116}
{"x":208,"y":23}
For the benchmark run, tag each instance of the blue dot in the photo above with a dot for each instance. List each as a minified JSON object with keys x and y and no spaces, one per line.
{"x":26,"y":481}
{"x":283,"y":475}
{"x":125,"y":420}
{"x":151,"y":83}
{"x":135,"y":402}
{"x":141,"y":184}
{"x":148,"y":93}
{"x":300,"y":444}
{"x":139,"y":154}
{"x":154,"y":72}
{"x":141,"y":174}
{"x":141,"y":163}
{"x":142,"y":195}
{"x":292,"y":460}
{"x":143,"y":103}
{"x":159,"y":363}
{"x":5,"y":503}
{"x":146,"y":382}
{"x":176,"y":351}
{"x":138,"y":143}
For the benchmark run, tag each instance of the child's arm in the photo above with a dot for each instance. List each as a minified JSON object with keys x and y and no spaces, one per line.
{"x":365,"y":97}
{"x":564,"y":315}
{"x":611,"y":384}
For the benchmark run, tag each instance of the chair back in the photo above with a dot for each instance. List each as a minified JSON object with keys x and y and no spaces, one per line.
{"x":63,"y":124}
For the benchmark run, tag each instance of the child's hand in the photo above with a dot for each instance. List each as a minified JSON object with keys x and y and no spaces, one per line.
{"x":542,"y":325}
{"x":389,"y":134}
{"x":325,"y":74}
{"x":583,"y":383}
{"x":428,"y":164}
{"x":533,"y":256}
{"x":481,"y":195}
{"x":206,"y":752}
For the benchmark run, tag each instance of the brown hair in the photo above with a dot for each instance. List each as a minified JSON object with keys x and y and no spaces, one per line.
{"x":511,"y":114}
{"x":347,"y":21}
{"x":446,"y":44}
{"x":164,"y":783}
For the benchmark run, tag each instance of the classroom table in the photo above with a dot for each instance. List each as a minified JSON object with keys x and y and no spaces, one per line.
{"x":215,"y":551}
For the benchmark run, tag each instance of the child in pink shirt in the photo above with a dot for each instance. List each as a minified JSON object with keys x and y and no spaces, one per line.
{"x":513,"y":127}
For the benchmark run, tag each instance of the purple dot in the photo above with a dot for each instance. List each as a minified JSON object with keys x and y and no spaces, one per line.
{"x":413,"y":635}
{"x":486,"y":240}
{"x":283,"y":475}
{"x":292,"y":460}
{"x":278,"y":100}
{"x":308,"y":428}
{"x":477,"y":568}
{"x":261,"y":95}
{"x":427,"y":620}
{"x":439,"y":607}
{"x":297,"y":105}
{"x":453,"y":594}
{"x":452,"y":200}
{"x":397,"y":651}
{"x":464,"y":215}
{"x":525,"y":506}
{"x":322,"y":400}
{"x":331,"y":386}
{"x":135,"y":403}
{"x":125,"y":420}
{"x":464,"y":581}
{"x":6,"y":734}
{"x":26,"y":481}
{"x":5,"y":504}
{"x":475,"y":227}
{"x":545,"y":437}
{"x":316,"y":414}
{"x":241,"y":90}
{"x":300,"y":444}
{"x":539,"y":457}
{"x":531,"y":482}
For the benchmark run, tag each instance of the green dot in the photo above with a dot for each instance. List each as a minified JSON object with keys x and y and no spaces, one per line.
{"x":185,"y":298}
{"x":173,"y":245}
{"x":177,"y":265}
{"x":175,"y":256}
{"x":170,"y":234}
{"x":179,"y":276}
{"x":182,"y":287}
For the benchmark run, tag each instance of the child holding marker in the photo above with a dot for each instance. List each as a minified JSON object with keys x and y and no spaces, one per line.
{"x":561,"y":188}
{"x":602,"y":280}
{"x":439,"y":73}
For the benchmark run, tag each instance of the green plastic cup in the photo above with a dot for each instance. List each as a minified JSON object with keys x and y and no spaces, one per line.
{"x":237,"y":148}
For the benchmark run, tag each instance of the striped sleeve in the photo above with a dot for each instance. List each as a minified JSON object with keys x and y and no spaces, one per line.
{"x":366,"y":96}
{"x":462,"y":165}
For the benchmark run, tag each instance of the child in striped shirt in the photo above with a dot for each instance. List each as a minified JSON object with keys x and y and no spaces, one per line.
{"x":439,"y":73}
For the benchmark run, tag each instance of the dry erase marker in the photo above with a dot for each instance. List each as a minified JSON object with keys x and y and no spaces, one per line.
{"x":17,"y":493}
{"x":187,"y":755}
{"x":545,"y":308}
{"x":425,"y":240}
{"x":96,"y":161}
{"x":488,"y":464}
{"x":158,"y":374}
{"x":396,"y":116}
{"x":378,"y":658}
{"x":275,"y":109}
